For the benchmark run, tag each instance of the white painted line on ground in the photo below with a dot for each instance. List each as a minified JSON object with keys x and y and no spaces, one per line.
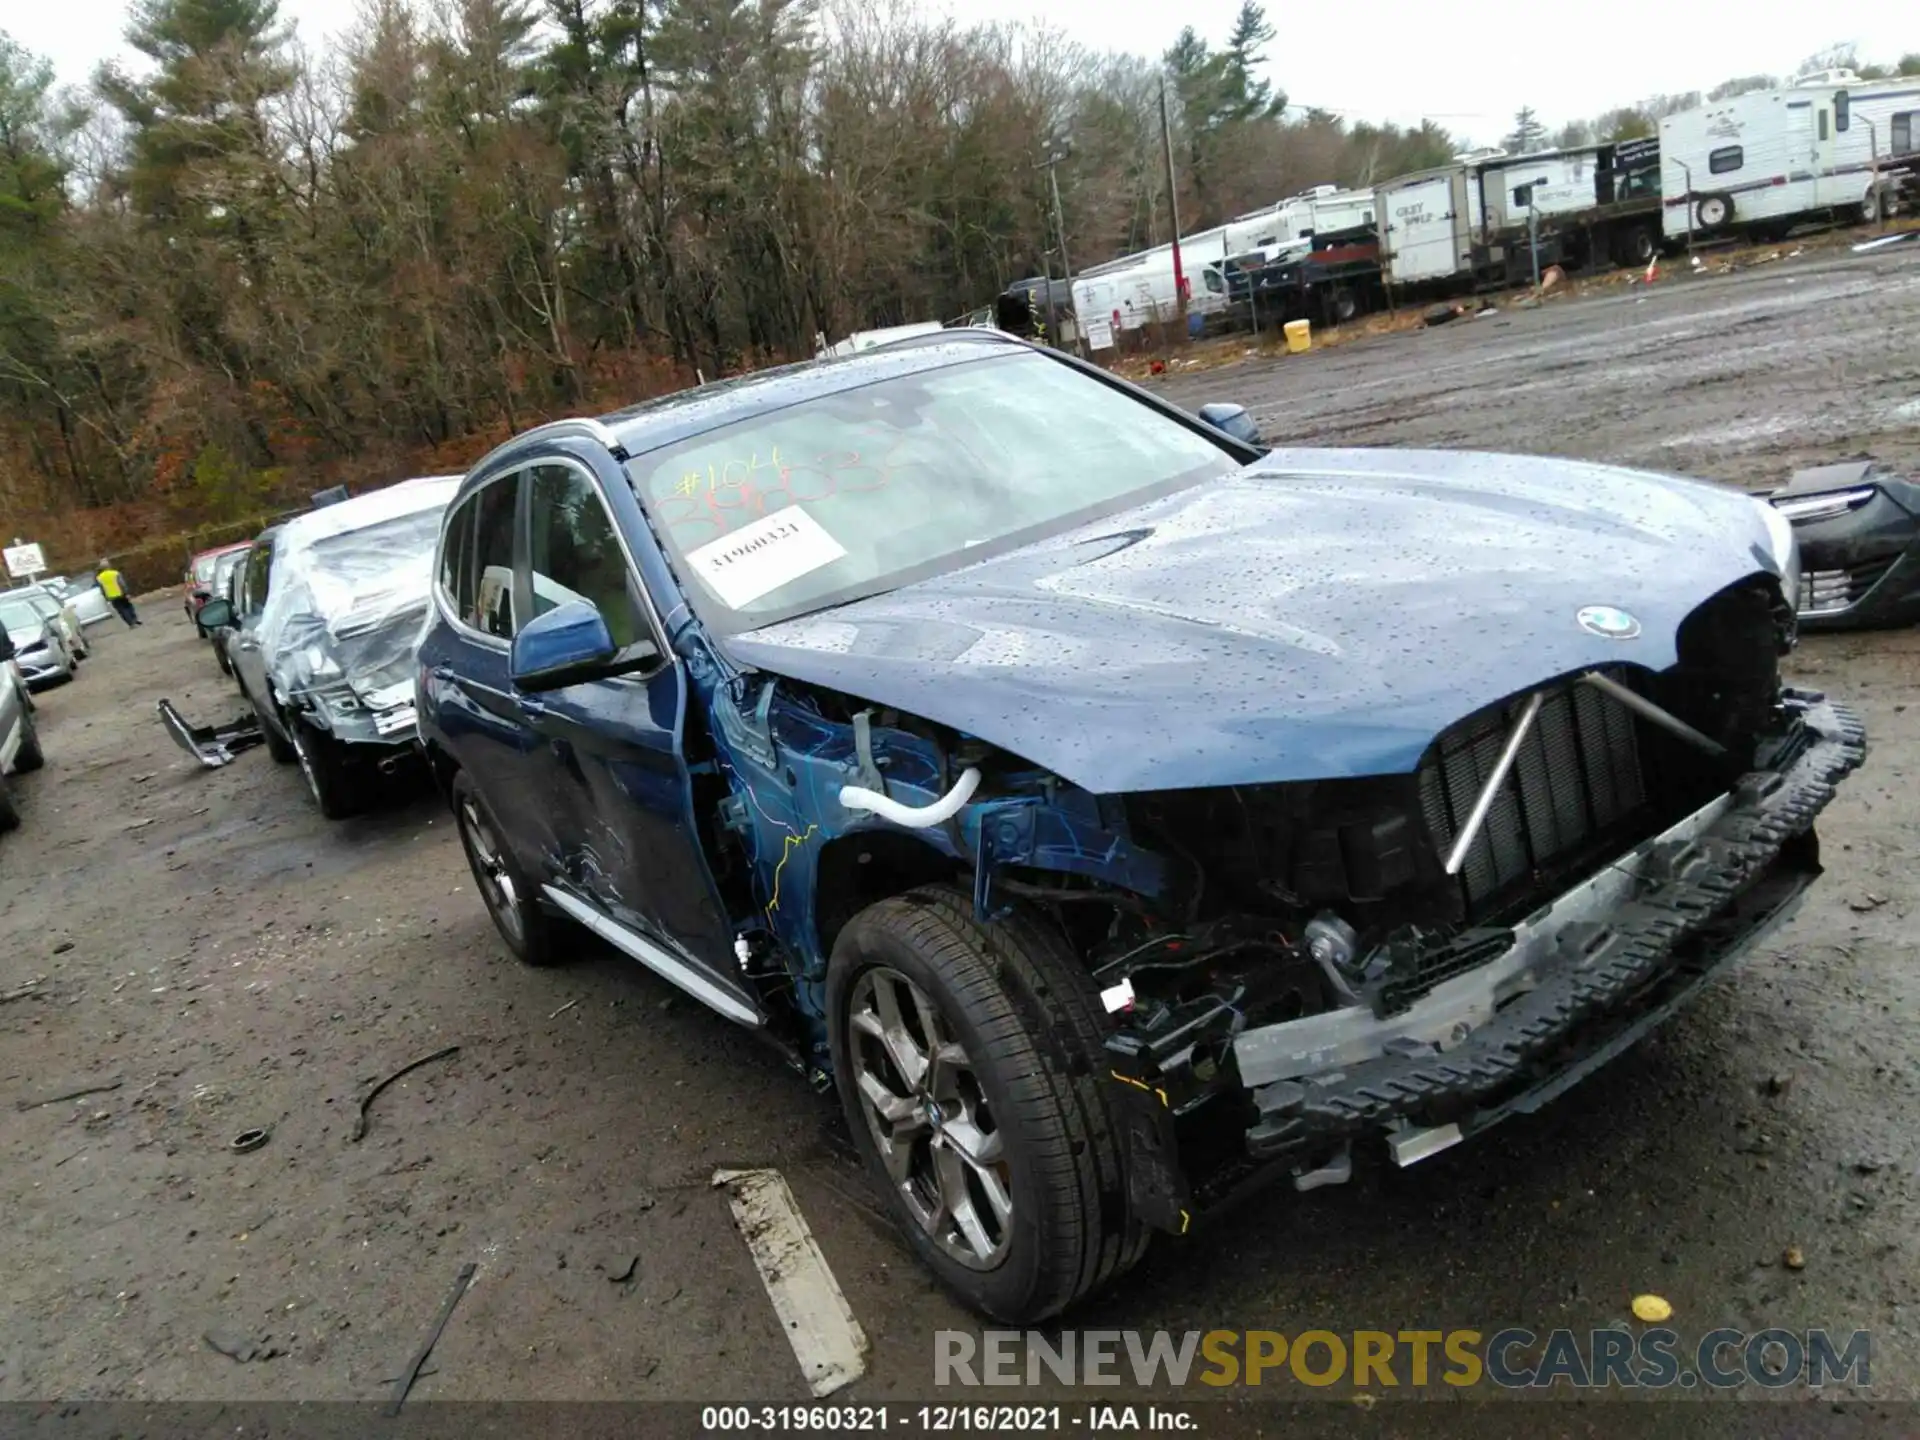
{"x":827,"y":1341}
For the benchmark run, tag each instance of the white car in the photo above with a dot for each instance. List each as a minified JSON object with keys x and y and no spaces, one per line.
{"x":54,"y":606}
{"x":40,"y":649}
{"x":19,"y":744}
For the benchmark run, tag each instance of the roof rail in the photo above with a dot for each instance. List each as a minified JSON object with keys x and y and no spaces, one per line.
{"x":580,"y":425}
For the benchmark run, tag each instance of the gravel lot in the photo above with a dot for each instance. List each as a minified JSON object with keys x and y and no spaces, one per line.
{"x":207,"y":946}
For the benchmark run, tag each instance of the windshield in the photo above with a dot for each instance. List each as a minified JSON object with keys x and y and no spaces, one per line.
{"x":17,"y":613}
{"x":857,"y":492}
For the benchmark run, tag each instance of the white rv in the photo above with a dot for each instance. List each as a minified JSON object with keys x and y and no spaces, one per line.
{"x":1760,"y":162}
{"x":1429,"y":223}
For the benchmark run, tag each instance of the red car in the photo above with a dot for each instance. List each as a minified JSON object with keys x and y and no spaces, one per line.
{"x":206,"y":577}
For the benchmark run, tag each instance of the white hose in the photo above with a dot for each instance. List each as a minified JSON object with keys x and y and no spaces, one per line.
{"x":914,"y":817}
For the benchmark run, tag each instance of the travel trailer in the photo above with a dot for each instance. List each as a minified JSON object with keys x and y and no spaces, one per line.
{"x":1468,"y":222}
{"x":1759,"y":163}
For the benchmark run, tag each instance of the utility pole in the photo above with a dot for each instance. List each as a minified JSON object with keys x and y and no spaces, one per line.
{"x":1066,"y":264}
{"x":1173,"y":200}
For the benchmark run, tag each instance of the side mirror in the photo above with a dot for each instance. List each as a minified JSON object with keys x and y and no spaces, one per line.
{"x":1233,"y":420}
{"x":563,"y":646}
{"x":216,"y":615}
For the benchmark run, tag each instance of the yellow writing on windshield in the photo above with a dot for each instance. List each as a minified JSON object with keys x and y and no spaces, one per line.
{"x":726,"y":474}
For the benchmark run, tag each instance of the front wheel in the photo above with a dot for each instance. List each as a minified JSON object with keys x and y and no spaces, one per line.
{"x":220,"y":658}
{"x":967,"y":1057}
{"x":9,"y":811}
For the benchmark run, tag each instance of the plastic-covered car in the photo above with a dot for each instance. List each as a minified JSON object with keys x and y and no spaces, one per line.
{"x":53,"y":605}
{"x":1859,"y":530}
{"x":86,"y":598}
{"x":326,"y":611}
{"x":1113,"y":811}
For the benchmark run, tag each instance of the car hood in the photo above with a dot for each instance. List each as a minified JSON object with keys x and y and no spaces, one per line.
{"x":1317,"y":615}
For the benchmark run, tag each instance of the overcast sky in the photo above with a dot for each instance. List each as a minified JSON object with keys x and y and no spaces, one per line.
{"x":1467,"y":65}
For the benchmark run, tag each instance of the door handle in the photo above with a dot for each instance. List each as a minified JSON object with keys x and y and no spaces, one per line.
{"x":443,"y":673}
{"x":534,"y":709}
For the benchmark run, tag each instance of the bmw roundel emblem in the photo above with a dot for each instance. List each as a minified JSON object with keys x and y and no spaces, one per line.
{"x":1609,"y":622}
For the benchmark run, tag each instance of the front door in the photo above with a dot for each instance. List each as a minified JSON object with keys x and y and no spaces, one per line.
{"x":614,"y":770}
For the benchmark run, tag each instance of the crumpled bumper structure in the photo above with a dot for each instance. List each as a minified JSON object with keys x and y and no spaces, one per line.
{"x":1583,"y":979}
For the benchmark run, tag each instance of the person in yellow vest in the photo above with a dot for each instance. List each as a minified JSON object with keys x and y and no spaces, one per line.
{"x":113,"y":585}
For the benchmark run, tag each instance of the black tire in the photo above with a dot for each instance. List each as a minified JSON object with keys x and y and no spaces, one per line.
{"x":531,"y":932}
{"x":1343,"y":305}
{"x":9,"y":812}
{"x":29,"y":756}
{"x":1713,"y":212}
{"x":336,"y":779}
{"x":278,"y":746}
{"x":220,"y":658}
{"x":1015,"y":996}
{"x":1634,"y":247}
{"x":1868,"y":211}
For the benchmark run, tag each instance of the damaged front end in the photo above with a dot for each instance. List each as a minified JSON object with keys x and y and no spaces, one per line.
{"x":1291,"y":967}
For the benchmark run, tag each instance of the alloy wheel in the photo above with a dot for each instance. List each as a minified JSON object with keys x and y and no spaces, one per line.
{"x":930,"y":1119}
{"x":497,"y":890}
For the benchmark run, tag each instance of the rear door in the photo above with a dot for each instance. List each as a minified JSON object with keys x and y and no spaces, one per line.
{"x":613,"y":764}
{"x":465,"y":679}
{"x":1421,"y":224}
{"x":243,"y":649}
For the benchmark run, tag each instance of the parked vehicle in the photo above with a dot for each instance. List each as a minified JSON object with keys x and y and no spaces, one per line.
{"x":51,"y":606}
{"x":330,"y":604}
{"x":231,"y":583}
{"x":1112,"y":811}
{"x":1859,"y":529}
{"x":40,"y":646}
{"x":19,"y":742}
{"x":202,"y":579}
{"x":1759,"y":163}
{"x":1466,"y":224}
{"x":86,"y":598}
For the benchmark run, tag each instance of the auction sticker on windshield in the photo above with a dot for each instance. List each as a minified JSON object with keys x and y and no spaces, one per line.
{"x":758,"y":559}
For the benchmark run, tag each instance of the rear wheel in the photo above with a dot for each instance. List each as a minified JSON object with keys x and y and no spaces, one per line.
{"x":967,"y":1060}
{"x":9,"y":812}
{"x":530,"y":932}
{"x":278,"y":745}
{"x":335,"y":778}
{"x":1635,"y":246}
{"x":220,"y":658}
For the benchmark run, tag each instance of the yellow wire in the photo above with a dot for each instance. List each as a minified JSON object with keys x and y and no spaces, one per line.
{"x":788,"y":844}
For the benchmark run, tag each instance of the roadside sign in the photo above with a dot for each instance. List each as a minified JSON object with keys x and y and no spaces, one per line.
{"x":1099,"y":334}
{"x":25,"y":561}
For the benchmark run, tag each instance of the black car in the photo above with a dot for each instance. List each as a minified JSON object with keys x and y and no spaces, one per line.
{"x":1859,"y":531}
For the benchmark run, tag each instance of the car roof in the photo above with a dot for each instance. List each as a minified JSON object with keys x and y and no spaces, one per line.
{"x":671,"y":418}
{"x":431,"y":492}
{"x":199,"y":555}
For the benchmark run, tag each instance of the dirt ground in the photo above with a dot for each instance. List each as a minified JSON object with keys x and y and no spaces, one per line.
{"x":222,"y":959}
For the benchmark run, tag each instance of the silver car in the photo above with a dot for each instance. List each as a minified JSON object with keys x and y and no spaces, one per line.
{"x":40,"y":649}
{"x":53,"y":606}
{"x":19,"y":744}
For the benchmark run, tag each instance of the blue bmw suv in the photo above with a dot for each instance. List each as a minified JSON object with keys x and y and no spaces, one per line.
{"x":1109,"y":809}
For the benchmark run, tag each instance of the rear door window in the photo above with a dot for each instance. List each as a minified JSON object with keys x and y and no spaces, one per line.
{"x":456,"y":556}
{"x":493,"y":609}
